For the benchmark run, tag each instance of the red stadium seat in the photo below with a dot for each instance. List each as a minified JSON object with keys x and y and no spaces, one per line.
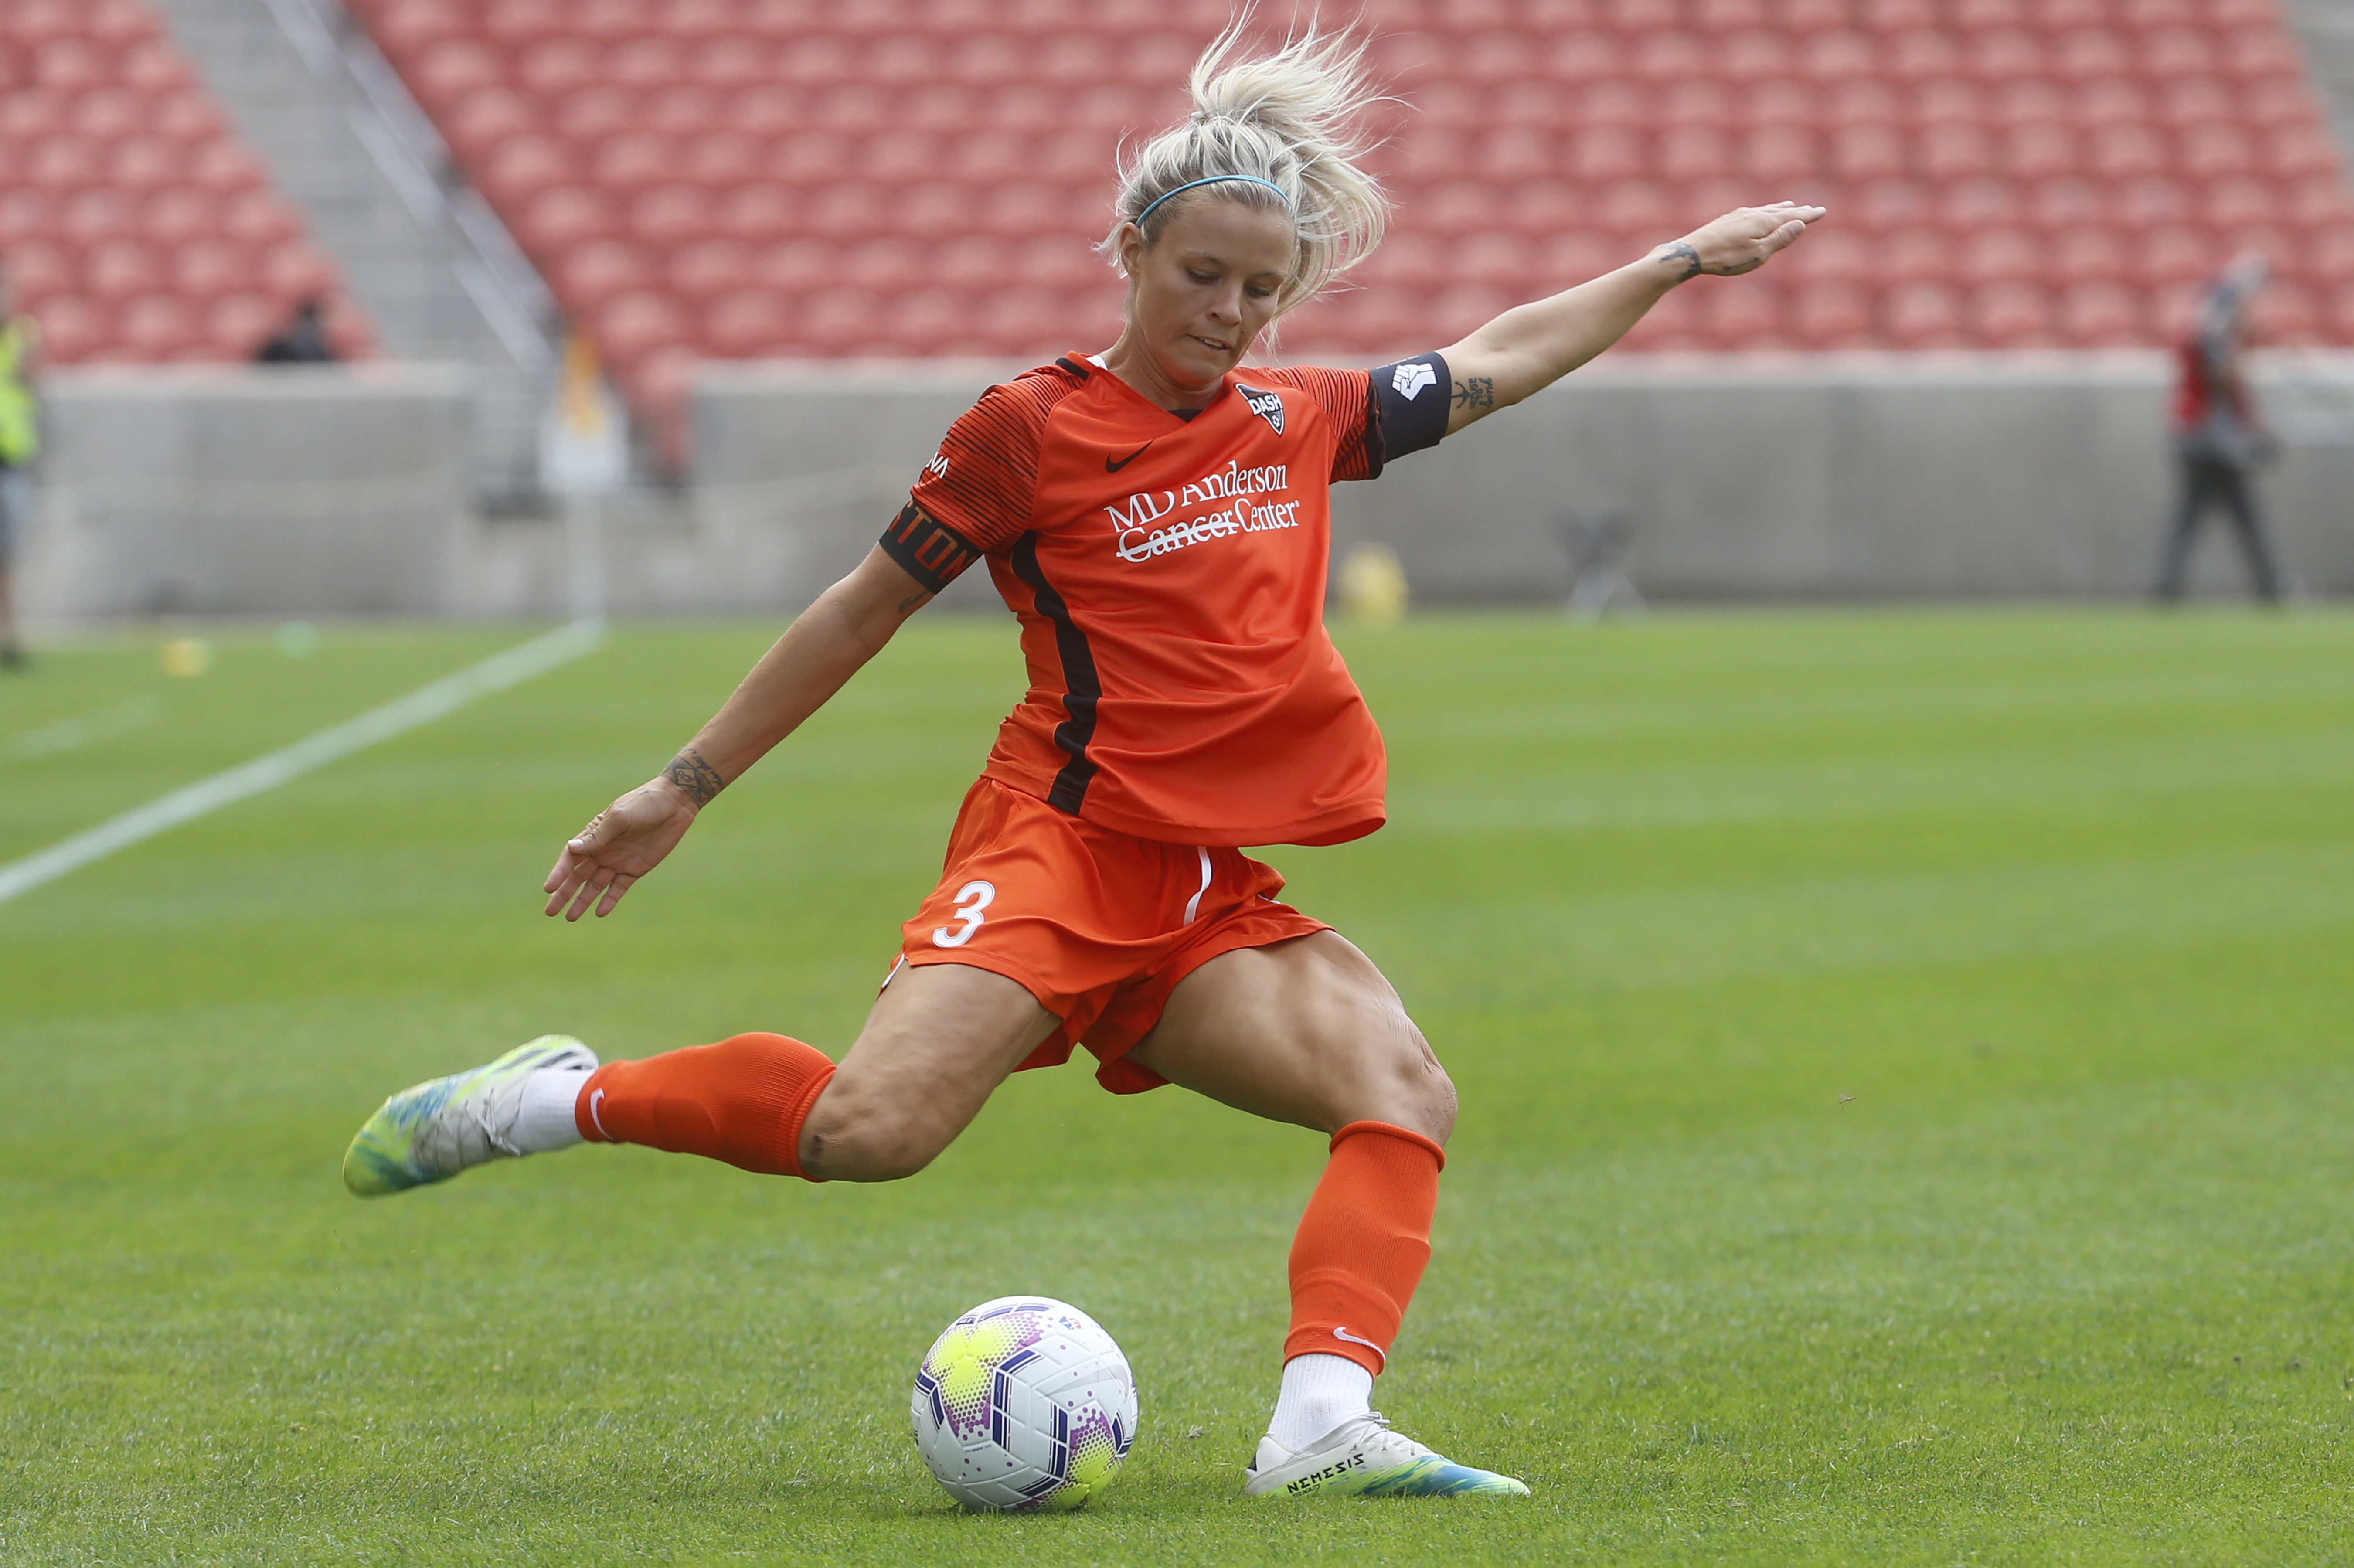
{"x":555,"y":65}
{"x":2099,"y":316}
{"x":1777,"y":153}
{"x":2298,"y":150}
{"x":1954,"y":151}
{"x":595,"y":112}
{"x":61,"y":164}
{"x":482,"y":121}
{"x":225,"y":168}
{"x":2041,"y":152}
{"x":1742,"y":319}
{"x":1867,"y":151}
{"x":43,"y":269}
{"x":806,"y":266}
{"x":2012,"y":314}
{"x":2237,"y":201}
{"x":634,"y":161}
{"x":2002,"y":256}
{"x":1923,"y":314}
{"x":236,"y":327}
{"x":2119,"y":151}
{"x":73,"y":327}
{"x":637,"y":324}
{"x":2206,"y":152}
{"x":2088,"y":255}
{"x":120,"y":269}
{"x":256,"y":216}
{"x":405,"y":28}
{"x":2316,"y":200}
{"x":207,"y":270}
{"x":568,"y":216}
{"x":756,"y":212}
{"x":705,"y":269}
{"x":294,"y":272}
{"x":596,"y":273}
{"x":156,"y":328}
{"x":748,"y":324}
{"x":88,"y":216}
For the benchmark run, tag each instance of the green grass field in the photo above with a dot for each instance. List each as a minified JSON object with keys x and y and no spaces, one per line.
{"x":1908,"y":1114}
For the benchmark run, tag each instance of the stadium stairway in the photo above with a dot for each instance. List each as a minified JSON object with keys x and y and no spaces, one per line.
{"x":378,"y":206}
{"x":2325,"y":28}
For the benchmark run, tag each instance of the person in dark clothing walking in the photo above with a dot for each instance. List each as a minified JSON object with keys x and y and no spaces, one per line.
{"x":302,"y":341}
{"x":2218,"y":440}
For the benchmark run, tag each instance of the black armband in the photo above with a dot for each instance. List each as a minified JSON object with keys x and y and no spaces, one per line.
{"x":928,"y":549}
{"x":1409,"y":407}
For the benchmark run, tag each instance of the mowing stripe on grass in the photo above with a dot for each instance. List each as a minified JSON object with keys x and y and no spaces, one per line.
{"x":422,"y":706}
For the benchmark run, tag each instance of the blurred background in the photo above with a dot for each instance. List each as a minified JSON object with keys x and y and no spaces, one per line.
{"x":656,"y":304}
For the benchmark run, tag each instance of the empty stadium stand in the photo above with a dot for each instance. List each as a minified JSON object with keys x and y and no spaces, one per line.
{"x":743,"y":178}
{"x":134,"y":226}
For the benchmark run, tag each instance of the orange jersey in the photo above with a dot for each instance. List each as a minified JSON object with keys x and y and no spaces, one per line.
{"x":1169,"y":574}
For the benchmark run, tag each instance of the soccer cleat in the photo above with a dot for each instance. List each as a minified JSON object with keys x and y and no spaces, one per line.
{"x":1364,"y":1458}
{"x":438,"y":1128}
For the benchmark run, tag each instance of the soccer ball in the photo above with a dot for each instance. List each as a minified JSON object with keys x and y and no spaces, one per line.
{"x":1025,"y":1402}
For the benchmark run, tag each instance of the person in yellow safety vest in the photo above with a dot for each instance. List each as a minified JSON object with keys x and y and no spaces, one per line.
{"x":20,"y":444}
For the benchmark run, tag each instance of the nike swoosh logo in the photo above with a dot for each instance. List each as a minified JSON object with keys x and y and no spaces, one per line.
{"x":1337,"y":1333}
{"x":597,"y":1120}
{"x":1112,"y":467}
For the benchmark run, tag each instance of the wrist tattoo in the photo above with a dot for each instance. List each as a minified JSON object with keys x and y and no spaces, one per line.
{"x":1681,"y":255}
{"x":697,"y":778}
{"x":1479,"y":392}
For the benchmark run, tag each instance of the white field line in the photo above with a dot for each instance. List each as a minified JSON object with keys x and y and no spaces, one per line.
{"x":422,"y":706}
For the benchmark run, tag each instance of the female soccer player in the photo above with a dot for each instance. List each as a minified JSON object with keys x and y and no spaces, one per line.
{"x":1156,"y":517}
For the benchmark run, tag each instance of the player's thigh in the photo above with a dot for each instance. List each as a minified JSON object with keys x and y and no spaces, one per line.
{"x":1306,"y":1031}
{"x":939,"y":1039}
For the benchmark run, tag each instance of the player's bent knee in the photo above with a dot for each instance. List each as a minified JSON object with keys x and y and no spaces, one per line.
{"x":854,"y":1137}
{"x":1425,"y":1092}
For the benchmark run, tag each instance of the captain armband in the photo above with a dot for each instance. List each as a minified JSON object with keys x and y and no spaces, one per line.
{"x":927,"y":548}
{"x":1410,"y":404}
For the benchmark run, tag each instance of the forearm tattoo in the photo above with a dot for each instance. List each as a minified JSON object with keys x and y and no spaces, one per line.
{"x":1479,"y":392}
{"x":697,"y":778}
{"x":1681,"y":255}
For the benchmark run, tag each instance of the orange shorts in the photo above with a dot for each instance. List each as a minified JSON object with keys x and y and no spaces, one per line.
{"x":1099,"y":926}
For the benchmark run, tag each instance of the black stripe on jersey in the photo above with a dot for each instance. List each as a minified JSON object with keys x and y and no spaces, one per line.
{"x":1082,"y":687}
{"x":1410,"y":407}
{"x":1065,"y":363}
{"x":927,"y":549}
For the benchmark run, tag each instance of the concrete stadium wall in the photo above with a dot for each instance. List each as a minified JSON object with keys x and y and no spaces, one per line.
{"x":294,"y":491}
{"x":1801,"y":477}
{"x":346,"y":491}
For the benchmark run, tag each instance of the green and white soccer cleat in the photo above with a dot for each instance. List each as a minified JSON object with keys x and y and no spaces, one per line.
{"x":1364,"y":1458}
{"x":438,"y":1128}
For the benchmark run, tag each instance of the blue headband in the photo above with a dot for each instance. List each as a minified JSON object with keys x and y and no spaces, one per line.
{"x":1213,"y":179}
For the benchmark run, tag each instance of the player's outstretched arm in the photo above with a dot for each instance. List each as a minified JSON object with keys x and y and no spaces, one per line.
{"x":825,"y":645}
{"x":1530,"y":347}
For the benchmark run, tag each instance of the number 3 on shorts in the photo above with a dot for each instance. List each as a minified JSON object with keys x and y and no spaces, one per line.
{"x":970,"y":900}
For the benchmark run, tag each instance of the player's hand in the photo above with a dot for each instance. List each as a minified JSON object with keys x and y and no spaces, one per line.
{"x":625,"y":840}
{"x":1741,"y":240}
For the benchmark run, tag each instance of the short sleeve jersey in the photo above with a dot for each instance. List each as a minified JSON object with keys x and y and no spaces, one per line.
{"x":1169,"y":574}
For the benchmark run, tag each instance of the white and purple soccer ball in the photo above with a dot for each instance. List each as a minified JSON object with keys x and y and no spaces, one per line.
{"x":1025,"y":1402}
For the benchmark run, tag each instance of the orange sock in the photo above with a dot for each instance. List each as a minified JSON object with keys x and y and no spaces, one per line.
{"x":743,"y":1101}
{"x":1362,"y":1243}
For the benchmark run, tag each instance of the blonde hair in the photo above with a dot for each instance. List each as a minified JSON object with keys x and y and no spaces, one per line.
{"x":1286,"y":118}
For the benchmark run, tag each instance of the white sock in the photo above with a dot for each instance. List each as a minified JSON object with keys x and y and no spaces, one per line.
{"x":1318,"y":1393}
{"x":544,"y":1121}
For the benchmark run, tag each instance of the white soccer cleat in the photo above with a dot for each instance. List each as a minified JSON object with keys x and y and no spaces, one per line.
{"x":1364,"y":1458}
{"x":436,"y":1130}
